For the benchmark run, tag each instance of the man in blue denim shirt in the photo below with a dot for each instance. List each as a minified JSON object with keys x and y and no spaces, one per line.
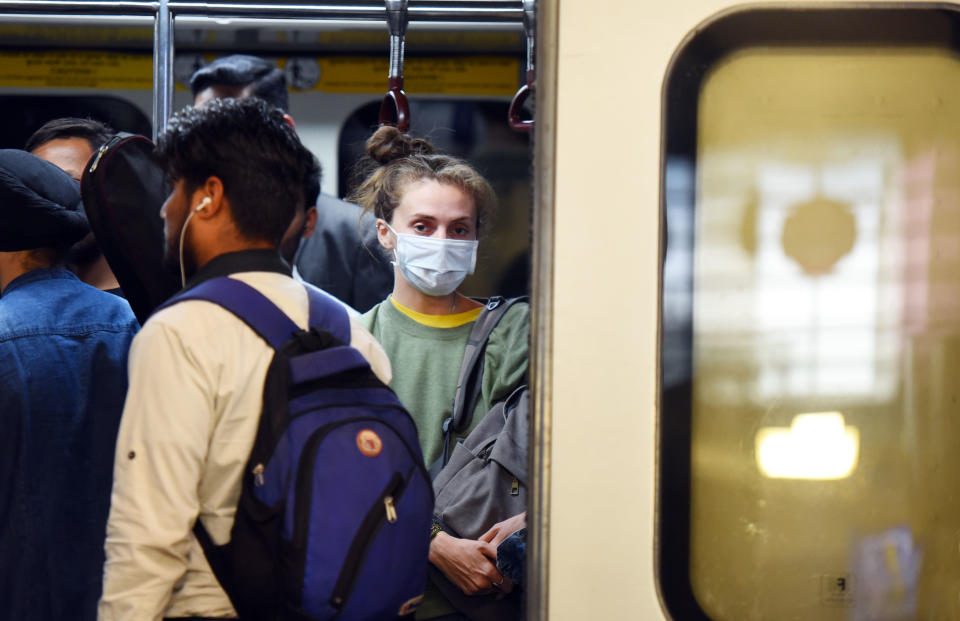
{"x":63,"y":378}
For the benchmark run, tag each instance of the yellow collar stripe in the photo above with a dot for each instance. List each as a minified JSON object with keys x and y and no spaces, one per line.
{"x":438,"y":321}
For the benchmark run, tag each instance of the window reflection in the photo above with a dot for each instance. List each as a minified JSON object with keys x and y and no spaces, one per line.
{"x":811,"y":276}
{"x":816,"y":445}
{"x":677,"y":272}
{"x":819,"y":279}
{"x":818,"y":260}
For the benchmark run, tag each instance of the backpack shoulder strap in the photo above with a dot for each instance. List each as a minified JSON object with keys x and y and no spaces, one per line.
{"x":470,"y":379}
{"x":329,"y":314}
{"x":471,"y":369}
{"x":248,"y":304}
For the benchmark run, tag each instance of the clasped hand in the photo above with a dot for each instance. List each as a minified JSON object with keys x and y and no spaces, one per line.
{"x":471,"y":564}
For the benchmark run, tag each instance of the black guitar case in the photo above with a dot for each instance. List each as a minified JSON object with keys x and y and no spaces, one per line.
{"x":123,"y":189}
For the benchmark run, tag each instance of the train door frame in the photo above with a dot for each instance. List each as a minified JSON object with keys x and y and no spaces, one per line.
{"x":541,"y":310}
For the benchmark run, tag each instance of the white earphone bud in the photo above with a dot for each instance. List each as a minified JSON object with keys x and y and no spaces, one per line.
{"x":203,"y":203}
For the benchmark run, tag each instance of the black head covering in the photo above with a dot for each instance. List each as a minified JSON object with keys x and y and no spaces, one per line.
{"x":39,"y":204}
{"x":262,"y":77}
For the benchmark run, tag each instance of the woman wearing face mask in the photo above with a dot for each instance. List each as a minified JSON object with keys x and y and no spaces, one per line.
{"x":430,"y":211}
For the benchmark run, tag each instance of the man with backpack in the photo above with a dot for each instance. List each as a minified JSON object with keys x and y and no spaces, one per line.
{"x":332,"y":243}
{"x":192,"y":444}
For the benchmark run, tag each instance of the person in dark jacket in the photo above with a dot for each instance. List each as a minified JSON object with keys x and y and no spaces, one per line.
{"x":63,"y":378}
{"x":68,"y":143}
{"x":333,"y":254}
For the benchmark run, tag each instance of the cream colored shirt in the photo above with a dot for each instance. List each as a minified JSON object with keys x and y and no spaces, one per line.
{"x":196,"y":383}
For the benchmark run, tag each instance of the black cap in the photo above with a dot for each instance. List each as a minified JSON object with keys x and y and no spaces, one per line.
{"x":261,"y":77}
{"x":40,"y":205}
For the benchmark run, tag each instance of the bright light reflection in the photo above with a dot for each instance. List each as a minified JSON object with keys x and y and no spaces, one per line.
{"x":817,"y":445}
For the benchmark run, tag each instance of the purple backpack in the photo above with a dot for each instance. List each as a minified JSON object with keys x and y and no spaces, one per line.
{"x":335,"y":509}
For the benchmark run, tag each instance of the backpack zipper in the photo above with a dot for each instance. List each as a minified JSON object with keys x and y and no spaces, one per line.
{"x":383,"y":510}
{"x":390,"y":509}
{"x":116,"y":140}
{"x":103,"y":149}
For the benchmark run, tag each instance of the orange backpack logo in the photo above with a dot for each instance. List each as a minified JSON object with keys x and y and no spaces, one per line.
{"x":369,"y":443}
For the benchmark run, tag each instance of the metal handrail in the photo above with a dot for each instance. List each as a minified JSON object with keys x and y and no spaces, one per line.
{"x":79,"y":7}
{"x":530,"y":28}
{"x":165,"y":11}
{"x":395,"y":109}
{"x":463,"y":11}
{"x":162,"y":68}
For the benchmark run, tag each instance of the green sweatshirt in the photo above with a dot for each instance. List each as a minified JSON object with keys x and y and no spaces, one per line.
{"x":426,"y":363}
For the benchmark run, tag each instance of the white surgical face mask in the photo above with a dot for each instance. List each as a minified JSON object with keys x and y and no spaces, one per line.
{"x":434,"y":266}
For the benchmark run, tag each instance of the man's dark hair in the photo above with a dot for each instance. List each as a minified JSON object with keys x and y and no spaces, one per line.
{"x":95,"y":132}
{"x":255,"y":153}
{"x":241,"y":71}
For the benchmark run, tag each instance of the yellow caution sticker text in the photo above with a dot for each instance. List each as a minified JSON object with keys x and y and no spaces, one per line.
{"x":469,"y":75}
{"x":76,"y":69}
{"x":466,"y":75}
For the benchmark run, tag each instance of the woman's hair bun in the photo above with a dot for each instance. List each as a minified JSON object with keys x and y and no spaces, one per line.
{"x":388,"y":143}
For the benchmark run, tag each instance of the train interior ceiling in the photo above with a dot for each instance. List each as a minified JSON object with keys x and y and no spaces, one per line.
{"x":459,"y":79}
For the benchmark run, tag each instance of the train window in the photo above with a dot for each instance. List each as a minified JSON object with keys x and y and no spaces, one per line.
{"x":24,"y":114}
{"x":810,"y":318}
{"x":74,"y":66}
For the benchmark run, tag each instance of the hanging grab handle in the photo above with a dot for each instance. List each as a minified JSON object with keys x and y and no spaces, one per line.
{"x":516,"y":105}
{"x":530,"y":29}
{"x":394,"y":110}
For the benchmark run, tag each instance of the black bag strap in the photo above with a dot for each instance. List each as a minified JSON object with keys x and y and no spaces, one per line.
{"x":470,"y":380}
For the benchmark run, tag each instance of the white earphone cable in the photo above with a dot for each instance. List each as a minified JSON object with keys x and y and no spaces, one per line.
{"x":183,"y":233}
